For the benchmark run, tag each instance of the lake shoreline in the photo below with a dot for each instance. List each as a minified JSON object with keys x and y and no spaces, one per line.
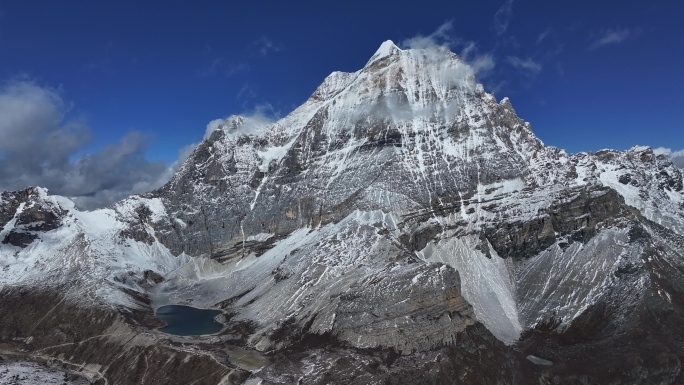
{"x":190,"y":321}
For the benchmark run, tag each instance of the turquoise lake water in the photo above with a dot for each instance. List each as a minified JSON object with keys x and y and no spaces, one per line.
{"x":188,"y":320}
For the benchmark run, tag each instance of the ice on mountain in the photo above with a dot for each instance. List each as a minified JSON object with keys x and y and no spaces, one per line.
{"x":387,"y":48}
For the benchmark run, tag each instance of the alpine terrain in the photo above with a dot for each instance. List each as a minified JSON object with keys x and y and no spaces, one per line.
{"x":402,"y":226}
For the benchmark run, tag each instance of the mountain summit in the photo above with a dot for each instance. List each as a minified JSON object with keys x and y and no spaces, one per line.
{"x":400,"y":226}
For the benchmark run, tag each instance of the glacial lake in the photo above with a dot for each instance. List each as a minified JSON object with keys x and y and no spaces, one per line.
{"x":188,"y":321}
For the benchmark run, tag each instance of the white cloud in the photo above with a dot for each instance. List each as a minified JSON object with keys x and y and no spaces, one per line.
{"x":479,"y":63}
{"x":524,"y":64}
{"x":503,"y":17}
{"x":217,"y":65}
{"x":439,"y":38}
{"x":212,"y":68}
{"x":610,"y":37}
{"x":183,"y":154}
{"x":246,"y":92}
{"x":482,"y":64}
{"x":662,"y":151}
{"x":40,"y":146}
{"x":266,"y":46}
{"x":542,"y":36}
{"x":251,"y":123}
{"x":676,"y":157}
{"x":213,"y":126}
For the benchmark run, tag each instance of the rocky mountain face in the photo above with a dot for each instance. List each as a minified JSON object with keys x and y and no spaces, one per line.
{"x":401,"y":227}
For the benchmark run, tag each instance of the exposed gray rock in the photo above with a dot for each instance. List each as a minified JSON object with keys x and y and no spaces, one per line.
{"x":32,"y":215}
{"x":573,"y":218}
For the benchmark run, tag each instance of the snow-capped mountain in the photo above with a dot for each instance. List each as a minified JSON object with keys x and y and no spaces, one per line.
{"x":400,"y":226}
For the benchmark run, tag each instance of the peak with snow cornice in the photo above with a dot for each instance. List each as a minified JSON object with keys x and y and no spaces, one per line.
{"x":386,"y":49}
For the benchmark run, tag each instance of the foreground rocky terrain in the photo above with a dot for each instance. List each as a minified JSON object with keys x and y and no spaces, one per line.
{"x":15,"y":373}
{"x":402,"y":226}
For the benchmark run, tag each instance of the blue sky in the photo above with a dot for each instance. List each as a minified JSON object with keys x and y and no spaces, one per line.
{"x":130,"y":83}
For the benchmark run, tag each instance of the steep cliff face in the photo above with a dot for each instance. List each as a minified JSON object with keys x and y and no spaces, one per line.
{"x":411,"y":130}
{"x":400,"y":224}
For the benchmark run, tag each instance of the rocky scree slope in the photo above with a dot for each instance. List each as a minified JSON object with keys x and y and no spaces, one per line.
{"x":400,"y":225}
